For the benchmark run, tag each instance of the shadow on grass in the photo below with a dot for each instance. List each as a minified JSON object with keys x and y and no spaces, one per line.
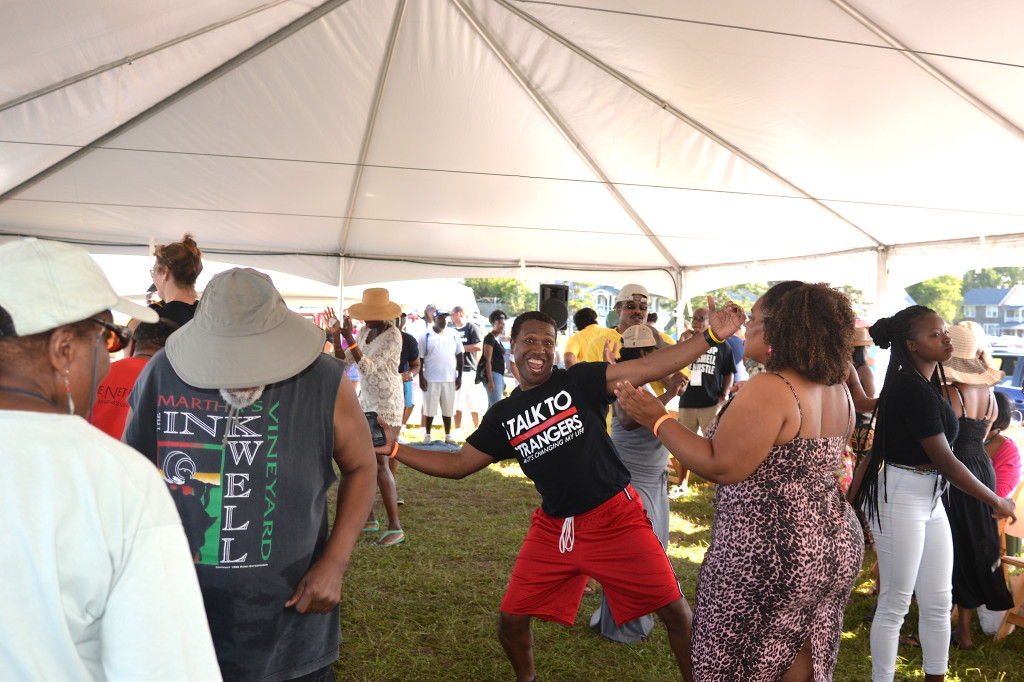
{"x":427,"y":609}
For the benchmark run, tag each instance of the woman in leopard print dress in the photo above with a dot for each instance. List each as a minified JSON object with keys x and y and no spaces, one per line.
{"x":786,"y":547}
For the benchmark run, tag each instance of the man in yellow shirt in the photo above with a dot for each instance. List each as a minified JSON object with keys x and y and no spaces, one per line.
{"x":587,"y":328}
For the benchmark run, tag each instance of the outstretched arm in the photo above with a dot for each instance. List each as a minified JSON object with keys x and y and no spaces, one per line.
{"x":663,"y":362}
{"x":459,"y":464}
{"x":745,"y":435}
{"x":319,"y":591}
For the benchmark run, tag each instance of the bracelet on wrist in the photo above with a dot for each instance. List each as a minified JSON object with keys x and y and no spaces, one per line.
{"x":657,"y":424}
{"x":711,"y":339}
{"x":394,"y":450}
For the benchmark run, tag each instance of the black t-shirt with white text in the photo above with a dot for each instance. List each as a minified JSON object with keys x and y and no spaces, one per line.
{"x":557,"y":433}
{"x":707,"y":376}
{"x":469,"y":335}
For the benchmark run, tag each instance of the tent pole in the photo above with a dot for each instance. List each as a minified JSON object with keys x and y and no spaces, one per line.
{"x":341,"y":285}
{"x":881,"y":280}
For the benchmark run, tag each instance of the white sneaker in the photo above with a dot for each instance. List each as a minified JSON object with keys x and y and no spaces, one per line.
{"x":426,"y":436}
{"x":450,"y":439}
{"x":677,"y":491}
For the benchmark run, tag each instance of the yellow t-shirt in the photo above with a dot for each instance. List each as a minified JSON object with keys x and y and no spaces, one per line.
{"x":578,"y":342}
{"x":594,"y":351}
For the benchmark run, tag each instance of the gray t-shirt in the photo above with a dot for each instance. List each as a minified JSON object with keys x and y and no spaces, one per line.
{"x":253,"y":502}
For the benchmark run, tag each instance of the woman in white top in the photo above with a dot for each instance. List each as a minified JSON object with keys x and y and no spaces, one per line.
{"x":377,"y":350}
{"x":95,"y":554}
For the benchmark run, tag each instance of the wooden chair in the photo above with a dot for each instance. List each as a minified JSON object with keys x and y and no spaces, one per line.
{"x":1015,"y":616}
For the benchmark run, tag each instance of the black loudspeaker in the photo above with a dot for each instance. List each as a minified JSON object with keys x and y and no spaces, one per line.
{"x":554,"y":301}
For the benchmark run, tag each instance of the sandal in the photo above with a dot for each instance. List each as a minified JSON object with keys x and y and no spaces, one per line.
{"x":371,"y":527}
{"x":379,"y":542}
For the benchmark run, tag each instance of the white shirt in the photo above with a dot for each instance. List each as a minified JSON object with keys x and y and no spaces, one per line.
{"x":97,"y":580}
{"x":438,"y":352}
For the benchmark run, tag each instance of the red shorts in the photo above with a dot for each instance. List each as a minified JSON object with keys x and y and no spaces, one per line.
{"x":613,"y":543}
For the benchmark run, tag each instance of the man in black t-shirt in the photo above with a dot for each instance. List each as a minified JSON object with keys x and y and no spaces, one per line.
{"x":710,"y":383}
{"x":591,"y":522}
{"x":470,"y":396}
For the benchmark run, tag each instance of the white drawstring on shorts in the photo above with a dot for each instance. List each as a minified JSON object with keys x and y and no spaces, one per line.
{"x":568,"y":536}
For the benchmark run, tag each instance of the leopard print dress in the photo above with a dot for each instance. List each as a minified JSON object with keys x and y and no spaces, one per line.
{"x":785,"y":550}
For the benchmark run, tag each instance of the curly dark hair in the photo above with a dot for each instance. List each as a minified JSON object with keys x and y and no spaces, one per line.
{"x":183,"y":259}
{"x":771,"y":298}
{"x":810,"y":330}
{"x":534,"y":315}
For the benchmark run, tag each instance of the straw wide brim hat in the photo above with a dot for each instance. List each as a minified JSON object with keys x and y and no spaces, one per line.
{"x":861,"y":337}
{"x":965,"y":367}
{"x":376,"y":305}
{"x":243,"y":335}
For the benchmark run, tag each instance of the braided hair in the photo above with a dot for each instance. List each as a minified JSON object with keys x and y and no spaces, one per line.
{"x":893,"y":333}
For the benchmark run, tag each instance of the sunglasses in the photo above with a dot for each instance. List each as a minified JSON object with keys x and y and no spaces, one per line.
{"x":115,"y":337}
{"x":634,"y":306}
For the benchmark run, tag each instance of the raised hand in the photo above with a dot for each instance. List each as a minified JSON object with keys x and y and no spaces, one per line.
{"x":333,"y":325}
{"x":727,"y":321}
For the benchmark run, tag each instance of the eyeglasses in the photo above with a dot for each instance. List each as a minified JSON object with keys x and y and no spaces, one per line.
{"x":634,"y":306}
{"x":116,"y":336}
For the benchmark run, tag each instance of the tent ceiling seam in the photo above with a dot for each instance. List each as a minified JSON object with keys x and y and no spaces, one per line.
{"x":929,"y":68}
{"x":126,"y":61}
{"x":566,"y":132}
{"x":681,"y":115}
{"x":371,"y":123}
{"x":201,"y":82}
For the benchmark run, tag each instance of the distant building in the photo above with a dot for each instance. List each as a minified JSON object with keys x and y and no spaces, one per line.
{"x":999,"y":311}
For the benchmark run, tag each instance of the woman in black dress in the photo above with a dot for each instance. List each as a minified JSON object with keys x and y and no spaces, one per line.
{"x":977,"y":574}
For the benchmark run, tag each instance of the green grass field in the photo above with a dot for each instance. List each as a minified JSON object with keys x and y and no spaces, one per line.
{"x":427,"y":609}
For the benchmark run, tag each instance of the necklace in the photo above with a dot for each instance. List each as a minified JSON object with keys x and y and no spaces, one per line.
{"x":29,"y":393}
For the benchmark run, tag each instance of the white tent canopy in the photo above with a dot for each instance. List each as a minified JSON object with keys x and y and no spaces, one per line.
{"x":680,"y":144}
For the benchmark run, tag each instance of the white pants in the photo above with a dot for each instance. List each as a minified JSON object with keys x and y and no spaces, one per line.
{"x":915,"y":557}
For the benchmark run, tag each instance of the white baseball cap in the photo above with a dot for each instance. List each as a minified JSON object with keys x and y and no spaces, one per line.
{"x":633,"y":292}
{"x":46,"y":284}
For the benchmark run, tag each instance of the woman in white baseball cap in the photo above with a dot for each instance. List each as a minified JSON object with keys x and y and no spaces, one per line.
{"x":101,"y":555}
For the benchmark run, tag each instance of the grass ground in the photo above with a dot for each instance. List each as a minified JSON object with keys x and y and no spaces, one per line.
{"x":427,"y":609}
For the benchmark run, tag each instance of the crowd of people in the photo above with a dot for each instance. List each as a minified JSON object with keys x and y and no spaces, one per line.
{"x":177,"y":527}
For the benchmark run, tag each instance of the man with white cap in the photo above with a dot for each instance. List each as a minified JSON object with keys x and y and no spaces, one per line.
{"x":242,"y":414}
{"x":97,"y":583}
{"x":631,"y":307}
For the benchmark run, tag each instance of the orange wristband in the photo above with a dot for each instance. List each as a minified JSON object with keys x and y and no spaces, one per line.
{"x":658,"y":423}
{"x":394,"y":450}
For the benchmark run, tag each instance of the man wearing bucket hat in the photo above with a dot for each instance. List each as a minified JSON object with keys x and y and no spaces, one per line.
{"x":86,"y":591}
{"x":977,"y":576}
{"x":242,"y":414}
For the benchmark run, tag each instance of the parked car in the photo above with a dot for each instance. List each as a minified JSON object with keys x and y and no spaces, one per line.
{"x":1011,"y":361}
